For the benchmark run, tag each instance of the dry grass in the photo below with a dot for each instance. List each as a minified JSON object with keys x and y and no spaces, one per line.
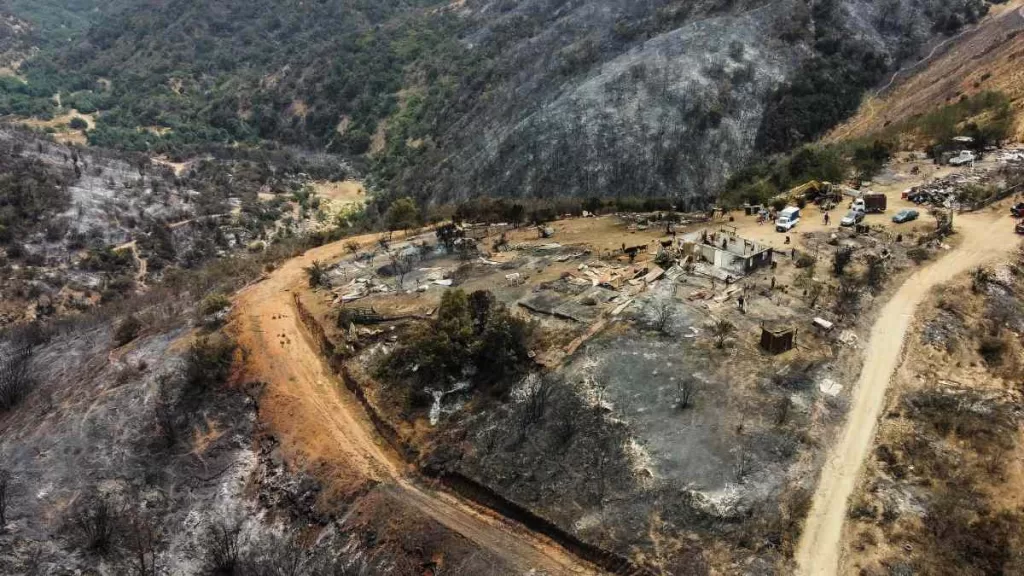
{"x":991,"y":58}
{"x":944,"y":486}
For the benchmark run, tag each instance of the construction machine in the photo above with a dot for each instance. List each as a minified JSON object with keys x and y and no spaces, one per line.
{"x":816,"y":192}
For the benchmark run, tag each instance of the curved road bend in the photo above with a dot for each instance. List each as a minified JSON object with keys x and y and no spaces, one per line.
{"x":316,"y":415}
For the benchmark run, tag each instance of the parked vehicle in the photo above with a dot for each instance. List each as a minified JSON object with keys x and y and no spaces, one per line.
{"x":1017,"y":210}
{"x":852,"y":217}
{"x":870,"y":203}
{"x":787,"y":219}
{"x":905,"y":215}
{"x":1019,"y":228}
{"x":965,"y":157}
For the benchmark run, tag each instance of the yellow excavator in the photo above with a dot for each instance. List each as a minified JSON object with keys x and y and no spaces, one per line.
{"x":817,"y":192}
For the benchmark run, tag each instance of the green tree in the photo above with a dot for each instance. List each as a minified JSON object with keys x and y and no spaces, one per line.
{"x":502,"y":347}
{"x":402,"y":214}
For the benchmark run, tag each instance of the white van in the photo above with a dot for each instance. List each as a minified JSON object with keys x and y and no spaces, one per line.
{"x":787,"y":219}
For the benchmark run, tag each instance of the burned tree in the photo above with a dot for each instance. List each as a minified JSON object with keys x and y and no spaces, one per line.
{"x":223,"y":542}
{"x":402,"y":262}
{"x":814,"y":293}
{"x":15,"y":374}
{"x":448,"y":235}
{"x":686,"y":391}
{"x":141,"y":540}
{"x":847,"y":300}
{"x":840,"y":260}
{"x":874,"y":274}
{"x":664,"y":311}
{"x":93,"y":522}
{"x":5,"y":494}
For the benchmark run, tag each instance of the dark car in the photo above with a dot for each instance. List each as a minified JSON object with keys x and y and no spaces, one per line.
{"x":1019,"y":228}
{"x":905,"y":215}
{"x":1017,"y":209}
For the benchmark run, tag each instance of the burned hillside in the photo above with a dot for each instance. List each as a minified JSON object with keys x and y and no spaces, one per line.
{"x":140,"y":450}
{"x":81,"y":227}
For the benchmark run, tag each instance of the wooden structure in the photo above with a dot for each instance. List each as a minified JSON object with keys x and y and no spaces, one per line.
{"x":776,"y":340}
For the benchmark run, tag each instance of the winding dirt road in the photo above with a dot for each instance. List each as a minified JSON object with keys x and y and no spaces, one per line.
{"x":320,"y":423}
{"x":985,"y":237}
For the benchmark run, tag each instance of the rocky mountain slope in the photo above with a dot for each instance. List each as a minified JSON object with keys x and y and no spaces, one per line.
{"x":982,"y":58}
{"x":537,"y":98}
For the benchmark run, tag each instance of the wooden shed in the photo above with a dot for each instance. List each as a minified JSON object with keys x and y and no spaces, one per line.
{"x":777,"y":339}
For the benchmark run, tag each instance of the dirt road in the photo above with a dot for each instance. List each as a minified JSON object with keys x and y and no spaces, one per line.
{"x":319,"y":422}
{"x":141,"y":264}
{"x":986,"y":237}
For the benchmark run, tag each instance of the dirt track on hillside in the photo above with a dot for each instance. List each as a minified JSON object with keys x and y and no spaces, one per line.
{"x":321,"y":425}
{"x":986,"y":237}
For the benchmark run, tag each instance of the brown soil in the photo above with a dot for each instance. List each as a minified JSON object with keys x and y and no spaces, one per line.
{"x":64,"y":134}
{"x":323,"y":429}
{"x":985,"y":237}
{"x":988,"y":57}
{"x":347,"y":191}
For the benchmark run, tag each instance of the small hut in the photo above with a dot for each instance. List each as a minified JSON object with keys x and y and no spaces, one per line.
{"x":777,"y":339}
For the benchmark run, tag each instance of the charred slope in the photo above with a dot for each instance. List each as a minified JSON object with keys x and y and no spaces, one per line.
{"x":534,"y":98}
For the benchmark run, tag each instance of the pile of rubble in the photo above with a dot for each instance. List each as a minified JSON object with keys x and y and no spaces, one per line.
{"x":943,"y":192}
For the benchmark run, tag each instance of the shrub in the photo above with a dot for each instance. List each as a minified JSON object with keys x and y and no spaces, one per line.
{"x":992,"y":350}
{"x":805,"y":261}
{"x":720,"y":331}
{"x":127,"y":330}
{"x":980,"y":278}
{"x":213,"y":304}
{"x":919,"y":255}
{"x":15,"y":251}
{"x":108,"y":260}
{"x":77,"y":123}
{"x":208,"y":362}
{"x":317,"y":274}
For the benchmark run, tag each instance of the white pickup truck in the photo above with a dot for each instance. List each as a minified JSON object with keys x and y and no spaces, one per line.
{"x":965,"y":157}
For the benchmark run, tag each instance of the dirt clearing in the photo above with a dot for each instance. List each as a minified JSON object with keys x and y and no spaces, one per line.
{"x":344,"y":192}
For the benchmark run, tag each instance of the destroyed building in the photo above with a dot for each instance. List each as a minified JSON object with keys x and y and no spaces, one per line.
{"x":724,"y":254}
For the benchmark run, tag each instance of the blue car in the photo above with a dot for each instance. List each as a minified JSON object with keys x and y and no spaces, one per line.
{"x":905,"y":215}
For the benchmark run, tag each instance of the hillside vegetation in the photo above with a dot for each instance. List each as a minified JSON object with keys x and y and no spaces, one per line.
{"x":540,"y":98}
